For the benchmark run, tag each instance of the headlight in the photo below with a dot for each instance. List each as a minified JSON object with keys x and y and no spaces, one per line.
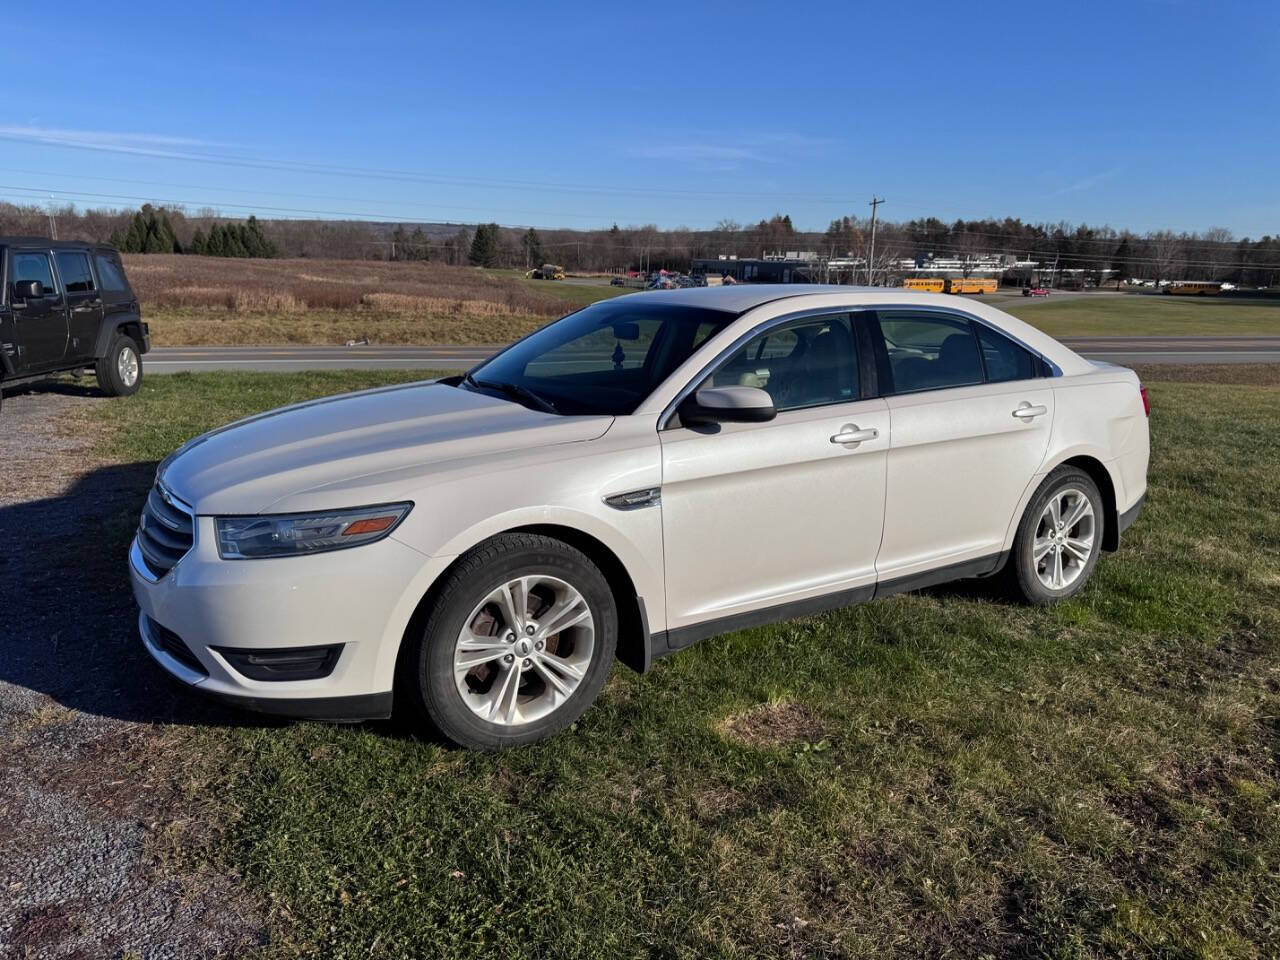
{"x":293,"y":534}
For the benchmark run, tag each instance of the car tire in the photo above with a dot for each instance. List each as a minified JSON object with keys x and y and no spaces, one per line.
{"x":1050,"y":563}
{"x":521,"y":694}
{"x":119,"y":371}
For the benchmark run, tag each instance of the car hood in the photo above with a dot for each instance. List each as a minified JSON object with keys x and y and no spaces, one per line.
{"x":350,"y":441}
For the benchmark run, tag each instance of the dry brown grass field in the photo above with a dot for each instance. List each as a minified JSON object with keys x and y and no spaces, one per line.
{"x":210,"y":300}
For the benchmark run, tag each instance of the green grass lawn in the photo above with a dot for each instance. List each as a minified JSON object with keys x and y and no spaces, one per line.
{"x":935,"y":774}
{"x":1135,"y":315}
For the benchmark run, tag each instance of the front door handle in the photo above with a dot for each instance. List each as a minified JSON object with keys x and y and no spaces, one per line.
{"x":1025,"y":411}
{"x":850,"y":433}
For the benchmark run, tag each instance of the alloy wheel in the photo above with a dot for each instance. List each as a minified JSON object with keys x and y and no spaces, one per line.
{"x":1065,"y":538}
{"x":127,"y":366}
{"x":523,"y":650}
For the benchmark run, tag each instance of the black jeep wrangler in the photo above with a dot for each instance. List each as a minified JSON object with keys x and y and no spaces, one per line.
{"x":67,"y":306}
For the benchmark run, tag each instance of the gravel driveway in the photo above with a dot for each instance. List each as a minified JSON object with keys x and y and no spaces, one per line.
{"x":93,"y":821}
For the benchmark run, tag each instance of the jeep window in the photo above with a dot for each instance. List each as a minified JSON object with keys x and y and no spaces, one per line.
{"x":31,"y":266}
{"x":605,"y":358}
{"x":74,"y":268}
{"x":110,"y":275}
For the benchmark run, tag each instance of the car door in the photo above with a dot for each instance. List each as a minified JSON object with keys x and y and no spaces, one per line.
{"x":761,"y":515}
{"x":971,"y":414}
{"x":40,"y":323}
{"x":84,"y":302}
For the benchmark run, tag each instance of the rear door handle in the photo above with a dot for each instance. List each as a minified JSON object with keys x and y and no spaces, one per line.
{"x":850,"y":433}
{"x":1025,"y":411}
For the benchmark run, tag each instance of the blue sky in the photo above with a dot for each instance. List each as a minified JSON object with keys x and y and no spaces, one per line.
{"x":1146,"y":114}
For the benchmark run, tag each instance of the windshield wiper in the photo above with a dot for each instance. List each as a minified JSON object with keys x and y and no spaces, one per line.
{"x":517,"y":392}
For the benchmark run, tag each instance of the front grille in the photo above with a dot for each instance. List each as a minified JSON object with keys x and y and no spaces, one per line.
{"x":172,"y":644}
{"x":165,"y":533}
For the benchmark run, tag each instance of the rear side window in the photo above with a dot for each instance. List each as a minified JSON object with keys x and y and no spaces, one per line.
{"x":110,"y":274}
{"x":1004,"y":359}
{"x":74,"y":268}
{"x":31,"y":266}
{"x":930,"y":352}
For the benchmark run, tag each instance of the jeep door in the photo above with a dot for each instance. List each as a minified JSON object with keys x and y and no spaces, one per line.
{"x":785,"y":513}
{"x":40,"y":323}
{"x":84,"y":303}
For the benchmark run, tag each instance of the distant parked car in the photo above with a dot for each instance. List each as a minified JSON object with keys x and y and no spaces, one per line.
{"x":1035,"y":291}
{"x":617,"y":282}
{"x":641,"y":474}
{"x":66,"y":307}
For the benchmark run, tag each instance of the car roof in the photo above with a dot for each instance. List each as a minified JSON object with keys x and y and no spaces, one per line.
{"x":741,"y":297}
{"x":48,"y":244}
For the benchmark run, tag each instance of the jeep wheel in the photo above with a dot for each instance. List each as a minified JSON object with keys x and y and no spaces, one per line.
{"x":120,"y":370}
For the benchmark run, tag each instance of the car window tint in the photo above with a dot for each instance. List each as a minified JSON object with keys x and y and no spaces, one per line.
{"x":31,"y":266}
{"x":930,"y":352}
{"x":623,"y":347}
{"x":110,"y":274}
{"x":74,"y":268}
{"x":605,"y":358}
{"x":1005,"y":360}
{"x":806,"y":363}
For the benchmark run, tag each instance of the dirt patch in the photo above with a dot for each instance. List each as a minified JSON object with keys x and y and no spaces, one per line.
{"x":1246,"y":374}
{"x":776,"y":725}
{"x":100,"y":804}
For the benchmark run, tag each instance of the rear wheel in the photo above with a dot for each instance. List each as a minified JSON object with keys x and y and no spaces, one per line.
{"x":517,"y":645}
{"x":1059,"y":538}
{"x":120,"y":369}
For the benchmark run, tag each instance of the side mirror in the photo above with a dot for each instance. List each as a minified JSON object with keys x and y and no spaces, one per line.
{"x":28,"y":290}
{"x":624,"y":330}
{"x":727,"y":405}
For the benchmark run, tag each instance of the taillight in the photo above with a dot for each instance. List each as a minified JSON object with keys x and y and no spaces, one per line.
{"x":1146,"y":401}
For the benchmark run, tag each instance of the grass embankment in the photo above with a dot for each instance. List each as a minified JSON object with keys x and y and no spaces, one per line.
{"x":193,"y":301}
{"x":1135,"y":315}
{"x":932,"y":774}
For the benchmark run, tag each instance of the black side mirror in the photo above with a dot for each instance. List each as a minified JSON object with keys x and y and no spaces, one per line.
{"x":727,"y":405}
{"x":28,"y":290}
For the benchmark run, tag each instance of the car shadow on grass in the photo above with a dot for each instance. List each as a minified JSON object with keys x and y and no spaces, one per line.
{"x":65,"y":387}
{"x":68,"y":621}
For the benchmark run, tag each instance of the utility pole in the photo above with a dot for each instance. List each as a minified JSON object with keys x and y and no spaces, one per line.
{"x":53,"y":223}
{"x":871,"y":259}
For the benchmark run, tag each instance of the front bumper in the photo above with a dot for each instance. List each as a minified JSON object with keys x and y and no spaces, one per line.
{"x":361,"y":598}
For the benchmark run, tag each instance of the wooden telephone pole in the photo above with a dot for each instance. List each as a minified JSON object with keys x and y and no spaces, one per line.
{"x":871,"y":258}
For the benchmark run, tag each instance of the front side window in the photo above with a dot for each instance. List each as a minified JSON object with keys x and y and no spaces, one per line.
{"x":31,"y":266}
{"x":930,"y":352}
{"x":805,"y":363}
{"x":1004,"y":359}
{"x":605,"y":358}
{"x":74,"y":268}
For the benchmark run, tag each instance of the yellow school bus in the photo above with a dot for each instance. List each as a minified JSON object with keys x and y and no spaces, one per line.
{"x":927,"y":284}
{"x":971,"y":285}
{"x":1194,"y":288}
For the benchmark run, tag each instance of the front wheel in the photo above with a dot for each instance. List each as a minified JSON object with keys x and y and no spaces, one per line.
{"x":517,"y":645}
{"x":1059,"y":538}
{"x":120,"y":369}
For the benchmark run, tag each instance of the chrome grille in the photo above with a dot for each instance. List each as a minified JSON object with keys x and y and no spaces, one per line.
{"x":165,"y":532}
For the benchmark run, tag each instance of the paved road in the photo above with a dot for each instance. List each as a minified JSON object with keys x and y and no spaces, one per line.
{"x":1122,"y":350}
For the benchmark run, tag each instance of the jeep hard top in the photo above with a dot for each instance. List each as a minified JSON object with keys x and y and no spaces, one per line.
{"x":67,"y":306}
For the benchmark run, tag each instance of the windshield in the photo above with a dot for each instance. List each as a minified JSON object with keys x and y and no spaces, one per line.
{"x":603,"y":359}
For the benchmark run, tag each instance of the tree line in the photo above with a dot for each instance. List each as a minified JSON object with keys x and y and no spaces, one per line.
{"x":1213,"y":254}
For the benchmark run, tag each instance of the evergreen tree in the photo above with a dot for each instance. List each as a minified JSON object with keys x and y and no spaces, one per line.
{"x":484,"y":246}
{"x":135,"y":240}
{"x":216,"y":245}
{"x":117,"y":239}
{"x":1120,"y":261}
{"x":419,"y":245}
{"x":198,"y":243}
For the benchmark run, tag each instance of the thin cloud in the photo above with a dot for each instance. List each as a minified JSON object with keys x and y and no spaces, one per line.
{"x":1086,"y":183}
{"x":144,"y":144}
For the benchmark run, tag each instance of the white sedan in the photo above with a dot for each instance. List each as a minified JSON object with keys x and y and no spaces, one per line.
{"x":646,"y":472}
